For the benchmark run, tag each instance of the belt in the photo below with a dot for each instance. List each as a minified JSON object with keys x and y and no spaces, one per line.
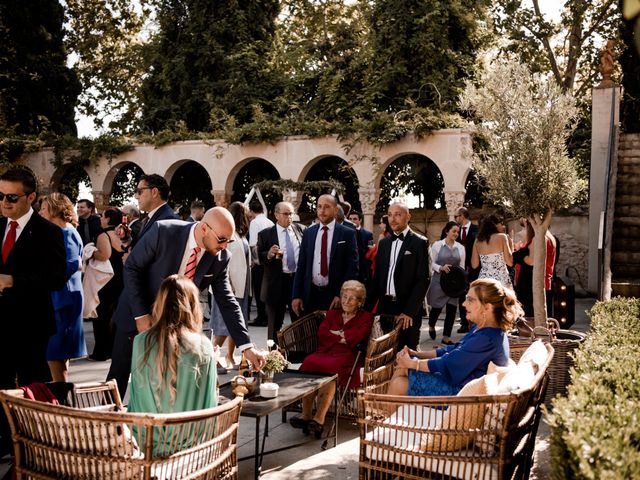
{"x":288,"y":274}
{"x":319,"y":288}
{"x":390,"y":298}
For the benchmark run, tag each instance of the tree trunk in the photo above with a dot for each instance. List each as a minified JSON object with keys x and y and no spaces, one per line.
{"x":540,"y":227}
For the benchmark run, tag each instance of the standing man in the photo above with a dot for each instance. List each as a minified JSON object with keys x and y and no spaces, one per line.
{"x":197,"y":211}
{"x":196,"y":250}
{"x":365,"y":241}
{"x":467,"y":237}
{"x":258,"y":222}
{"x":152,"y":194}
{"x":402,"y":275}
{"x":33,"y":264}
{"x":278,"y":251}
{"x":88,"y":222}
{"x":328,"y":258}
{"x":133,"y":220}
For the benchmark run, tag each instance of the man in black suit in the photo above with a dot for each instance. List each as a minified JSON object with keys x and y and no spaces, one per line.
{"x":278,"y":251}
{"x":152,"y":194}
{"x":365,"y":241}
{"x":467,"y":237}
{"x":328,"y":257}
{"x":32,"y":265}
{"x":402,"y":276}
{"x":196,"y":250}
{"x":88,"y":222}
{"x":133,"y":217}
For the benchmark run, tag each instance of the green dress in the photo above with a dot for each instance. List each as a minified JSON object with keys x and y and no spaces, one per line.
{"x":195,"y":386}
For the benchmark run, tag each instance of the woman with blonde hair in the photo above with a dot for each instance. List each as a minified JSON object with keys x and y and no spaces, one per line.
{"x":68,"y":341}
{"x":492,"y":308}
{"x":173,"y":367}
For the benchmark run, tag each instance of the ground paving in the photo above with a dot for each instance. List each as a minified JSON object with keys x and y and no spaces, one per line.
{"x":309,"y":461}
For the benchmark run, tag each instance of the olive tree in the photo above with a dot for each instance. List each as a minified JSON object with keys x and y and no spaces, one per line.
{"x":526,"y":120}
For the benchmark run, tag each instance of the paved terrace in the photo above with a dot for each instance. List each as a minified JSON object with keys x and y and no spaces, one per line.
{"x":309,"y":461}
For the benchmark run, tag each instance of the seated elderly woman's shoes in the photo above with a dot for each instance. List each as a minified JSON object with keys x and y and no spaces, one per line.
{"x":316,"y":428}
{"x":299,"y":422}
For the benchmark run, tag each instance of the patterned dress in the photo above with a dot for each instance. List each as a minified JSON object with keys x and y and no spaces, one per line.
{"x":492,"y":265}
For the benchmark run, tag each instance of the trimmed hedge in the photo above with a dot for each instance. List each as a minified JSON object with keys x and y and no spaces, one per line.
{"x":595,"y":429}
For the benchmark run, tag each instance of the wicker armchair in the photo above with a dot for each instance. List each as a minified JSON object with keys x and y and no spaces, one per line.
{"x":53,"y":442}
{"x":301,"y":338}
{"x":460,"y":437}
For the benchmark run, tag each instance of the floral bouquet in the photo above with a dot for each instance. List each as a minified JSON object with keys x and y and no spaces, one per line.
{"x":275,"y":361}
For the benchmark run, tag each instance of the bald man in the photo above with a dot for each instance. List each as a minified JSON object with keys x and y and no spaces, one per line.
{"x":197,"y":250}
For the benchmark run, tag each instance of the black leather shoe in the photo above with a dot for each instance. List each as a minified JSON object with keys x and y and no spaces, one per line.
{"x":448,"y":342}
{"x":432,"y":333}
{"x":463,"y":329}
{"x":316,"y":428}
{"x":299,"y":422}
{"x":257,"y":324}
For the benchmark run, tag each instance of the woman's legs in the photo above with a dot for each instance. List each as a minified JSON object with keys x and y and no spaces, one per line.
{"x":231,"y":348}
{"x":434,"y":313}
{"x":307,"y":405}
{"x":399,"y":384}
{"x":450,"y":317}
{"x":325,"y":397}
{"x":59,"y":370}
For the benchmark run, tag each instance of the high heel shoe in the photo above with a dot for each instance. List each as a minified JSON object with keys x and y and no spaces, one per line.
{"x":432,"y":332}
{"x":316,"y":428}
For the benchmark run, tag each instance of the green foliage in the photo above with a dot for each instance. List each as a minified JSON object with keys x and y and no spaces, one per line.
{"x":594,"y":429}
{"x":38,"y":92}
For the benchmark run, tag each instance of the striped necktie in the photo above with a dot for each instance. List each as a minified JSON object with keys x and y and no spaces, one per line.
{"x":190,"y":270}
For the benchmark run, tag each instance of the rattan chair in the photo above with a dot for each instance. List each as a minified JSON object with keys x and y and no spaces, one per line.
{"x":56,"y":442}
{"x":301,"y":339}
{"x":424,"y":437}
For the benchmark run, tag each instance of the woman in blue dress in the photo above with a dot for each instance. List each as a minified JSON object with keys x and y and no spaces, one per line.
{"x":492,"y":308}
{"x":68,"y":341}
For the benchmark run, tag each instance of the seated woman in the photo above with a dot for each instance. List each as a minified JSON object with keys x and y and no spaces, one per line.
{"x":338,"y":335}
{"x":492,"y":308}
{"x":173,"y":368}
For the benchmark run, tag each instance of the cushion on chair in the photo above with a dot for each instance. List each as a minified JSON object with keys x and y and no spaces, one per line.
{"x":536,"y":354}
{"x":458,"y":417}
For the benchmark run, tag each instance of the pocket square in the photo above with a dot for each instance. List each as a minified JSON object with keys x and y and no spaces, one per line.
{"x":342,"y":241}
{"x":408,"y":253}
{"x":210,"y":275}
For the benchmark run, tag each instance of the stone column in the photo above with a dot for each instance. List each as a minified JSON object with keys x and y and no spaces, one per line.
{"x":453,"y":201}
{"x":221,"y":197}
{"x":605,"y":117}
{"x":294,"y":197}
{"x":101,"y":199}
{"x":368,"y":199}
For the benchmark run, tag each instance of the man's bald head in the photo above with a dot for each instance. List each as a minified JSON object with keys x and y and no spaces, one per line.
{"x":327,"y":208}
{"x":215,"y":230}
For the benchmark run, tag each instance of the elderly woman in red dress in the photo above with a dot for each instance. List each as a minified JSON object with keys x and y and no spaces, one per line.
{"x":338,"y":336}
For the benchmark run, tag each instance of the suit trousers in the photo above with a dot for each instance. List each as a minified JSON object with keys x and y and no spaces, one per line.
{"x":257,"y":272}
{"x":276,"y":310}
{"x":320,"y":299}
{"x":409,"y":336}
{"x":121,"y":359}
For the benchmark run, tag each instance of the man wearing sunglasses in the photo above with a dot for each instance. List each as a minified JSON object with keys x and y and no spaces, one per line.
{"x":32,"y":265}
{"x":196,"y":250}
{"x":152,"y":194}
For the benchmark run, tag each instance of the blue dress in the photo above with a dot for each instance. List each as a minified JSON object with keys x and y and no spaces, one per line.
{"x":68,"y":341}
{"x":456,"y":365}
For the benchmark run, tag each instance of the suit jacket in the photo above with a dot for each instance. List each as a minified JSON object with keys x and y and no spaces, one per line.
{"x":343,"y":261}
{"x":38,"y":264}
{"x":93,"y":221}
{"x":411,"y":274}
{"x":158,"y":255}
{"x":165,"y":212}
{"x":272,"y":280}
{"x":468,"y":244}
{"x":135,"y":226}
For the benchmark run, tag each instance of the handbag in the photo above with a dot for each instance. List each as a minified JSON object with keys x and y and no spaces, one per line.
{"x":454,"y":283}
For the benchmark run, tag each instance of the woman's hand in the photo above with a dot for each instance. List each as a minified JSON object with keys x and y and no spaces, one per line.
{"x":404,"y":360}
{"x":445,"y":268}
{"x":339,"y":333}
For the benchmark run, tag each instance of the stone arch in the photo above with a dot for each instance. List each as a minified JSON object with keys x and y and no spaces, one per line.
{"x":248,"y":172}
{"x":117,"y":188}
{"x":188,"y":180}
{"x":112,"y":173}
{"x":412,"y":170}
{"x":66,"y":178}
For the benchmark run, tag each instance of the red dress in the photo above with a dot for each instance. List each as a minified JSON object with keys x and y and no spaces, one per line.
{"x":334,"y":357}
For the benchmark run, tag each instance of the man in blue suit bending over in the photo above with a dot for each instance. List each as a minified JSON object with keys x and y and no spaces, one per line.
{"x":196,"y":250}
{"x":328,"y":257}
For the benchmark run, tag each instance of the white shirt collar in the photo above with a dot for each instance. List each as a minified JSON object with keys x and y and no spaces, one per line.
{"x":152,"y":212}
{"x":331,"y":225}
{"x":23,"y":220}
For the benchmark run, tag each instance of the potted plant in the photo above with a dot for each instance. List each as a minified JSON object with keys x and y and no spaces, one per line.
{"x":275,"y":363}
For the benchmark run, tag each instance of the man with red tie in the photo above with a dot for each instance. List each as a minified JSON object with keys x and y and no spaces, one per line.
{"x":328,"y":257}
{"x":196,"y":250}
{"x":32,"y":265}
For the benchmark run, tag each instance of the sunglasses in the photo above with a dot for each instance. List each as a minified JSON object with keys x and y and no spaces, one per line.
{"x":142,"y":189}
{"x":11,"y":197}
{"x":220,"y":240}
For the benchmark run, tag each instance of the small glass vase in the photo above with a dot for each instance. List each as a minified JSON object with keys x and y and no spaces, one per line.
{"x":267,"y":377}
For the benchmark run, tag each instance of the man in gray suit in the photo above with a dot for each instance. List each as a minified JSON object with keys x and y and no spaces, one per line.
{"x":196,"y":250}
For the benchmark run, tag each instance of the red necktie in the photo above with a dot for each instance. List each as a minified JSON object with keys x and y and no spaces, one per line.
{"x":464,"y":234}
{"x":10,"y":241}
{"x":324,"y":263}
{"x":192,"y":263}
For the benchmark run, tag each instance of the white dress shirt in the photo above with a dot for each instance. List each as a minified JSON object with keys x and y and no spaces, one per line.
{"x":396,"y":245}
{"x":22,"y":222}
{"x":317,"y":279}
